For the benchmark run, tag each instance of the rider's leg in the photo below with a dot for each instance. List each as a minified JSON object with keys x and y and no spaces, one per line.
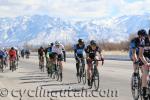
{"x":83,"y":63}
{"x":77,"y":66}
{"x":144,"y":80}
{"x":135,"y":65}
{"x":61,"y":65}
{"x":89,"y":66}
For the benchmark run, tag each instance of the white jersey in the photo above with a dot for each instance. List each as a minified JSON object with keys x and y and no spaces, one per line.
{"x":59,"y":50}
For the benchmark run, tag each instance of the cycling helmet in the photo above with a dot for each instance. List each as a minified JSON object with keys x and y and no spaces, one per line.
{"x":12,"y":48}
{"x":80,"y":41}
{"x":52,"y":44}
{"x":92,"y":42}
{"x":57,"y":43}
{"x":41,"y":47}
{"x":142,"y":32}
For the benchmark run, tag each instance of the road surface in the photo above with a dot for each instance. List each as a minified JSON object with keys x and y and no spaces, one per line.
{"x":28,"y":83}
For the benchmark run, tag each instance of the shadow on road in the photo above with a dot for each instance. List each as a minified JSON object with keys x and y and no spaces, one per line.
{"x":59,"y":84}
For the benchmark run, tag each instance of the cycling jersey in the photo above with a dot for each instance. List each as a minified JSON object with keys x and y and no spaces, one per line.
{"x":91,"y":52}
{"x":78,"y":50}
{"x":12,"y":54}
{"x":134,"y":44}
{"x":41,"y":52}
{"x":1,"y":54}
{"x":5,"y":54}
{"x":59,"y":50}
{"x":146,"y":45}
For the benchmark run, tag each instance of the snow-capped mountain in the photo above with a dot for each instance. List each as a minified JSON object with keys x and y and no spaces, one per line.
{"x":40,"y":29}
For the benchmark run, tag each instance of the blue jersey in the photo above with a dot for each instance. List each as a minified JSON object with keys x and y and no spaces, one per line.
{"x":79,"y":50}
{"x":2,"y":54}
{"x":49,"y":49}
{"x":134,"y":44}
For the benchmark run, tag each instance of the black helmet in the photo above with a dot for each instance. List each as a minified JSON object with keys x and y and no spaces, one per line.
{"x":142,"y":32}
{"x":52,"y":44}
{"x":80,"y":41}
{"x":12,"y":48}
{"x":41,"y":47}
{"x":92,"y":42}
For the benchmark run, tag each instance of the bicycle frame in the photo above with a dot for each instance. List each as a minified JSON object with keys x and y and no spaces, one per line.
{"x":82,"y":71}
{"x":95,"y":74}
{"x":13,"y":64}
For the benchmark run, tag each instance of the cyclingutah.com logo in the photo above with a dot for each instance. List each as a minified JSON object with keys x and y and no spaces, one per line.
{"x":40,"y":92}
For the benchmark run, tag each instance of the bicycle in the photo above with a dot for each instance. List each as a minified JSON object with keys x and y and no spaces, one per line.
{"x":95,"y":75}
{"x":13,"y":65}
{"x":1,"y":65}
{"x":56,"y":70}
{"x":136,"y":83}
{"x":41,"y":64}
{"x":82,"y":71}
{"x":5,"y":62}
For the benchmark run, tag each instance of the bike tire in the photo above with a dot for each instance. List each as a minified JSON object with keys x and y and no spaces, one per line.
{"x":84,"y":77}
{"x":80,"y":75}
{"x":135,"y":89}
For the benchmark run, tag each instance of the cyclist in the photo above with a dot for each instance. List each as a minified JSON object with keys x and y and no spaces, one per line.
{"x":5,"y":56}
{"x":48,"y":51}
{"x":41,"y":55}
{"x":49,"y":57}
{"x":78,"y":53}
{"x":134,"y":50}
{"x":144,"y":54}
{"x":2,"y":56}
{"x":27,"y":53}
{"x":59,"y":50}
{"x":92,"y":52}
{"x":12,"y":56}
{"x":22,"y":53}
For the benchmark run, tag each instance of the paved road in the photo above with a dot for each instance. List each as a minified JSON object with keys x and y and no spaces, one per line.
{"x":28,"y":83}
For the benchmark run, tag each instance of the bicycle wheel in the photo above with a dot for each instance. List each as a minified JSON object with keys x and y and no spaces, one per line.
{"x":135,"y":87}
{"x":53,"y":71}
{"x":42,"y":67}
{"x":84,"y":76}
{"x":13,"y":66}
{"x":80,"y":74}
{"x":96,"y":79}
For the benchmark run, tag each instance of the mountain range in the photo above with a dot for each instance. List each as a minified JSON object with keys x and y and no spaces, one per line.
{"x":43,"y":29}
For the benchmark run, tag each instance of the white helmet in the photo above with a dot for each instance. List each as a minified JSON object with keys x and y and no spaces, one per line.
{"x":57,"y":43}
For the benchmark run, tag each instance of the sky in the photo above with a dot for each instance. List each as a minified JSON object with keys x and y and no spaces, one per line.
{"x":73,"y":8}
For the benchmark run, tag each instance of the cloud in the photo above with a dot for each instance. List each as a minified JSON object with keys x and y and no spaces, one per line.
{"x":73,"y":8}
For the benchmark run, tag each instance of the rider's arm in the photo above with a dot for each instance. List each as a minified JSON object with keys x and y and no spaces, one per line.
{"x":75,"y":52}
{"x":100,"y":53}
{"x":134,"y":55}
{"x":47,"y":54}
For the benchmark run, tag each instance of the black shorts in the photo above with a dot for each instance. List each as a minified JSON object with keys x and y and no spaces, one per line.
{"x":80,"y":55}
{"x":60,"y":58}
